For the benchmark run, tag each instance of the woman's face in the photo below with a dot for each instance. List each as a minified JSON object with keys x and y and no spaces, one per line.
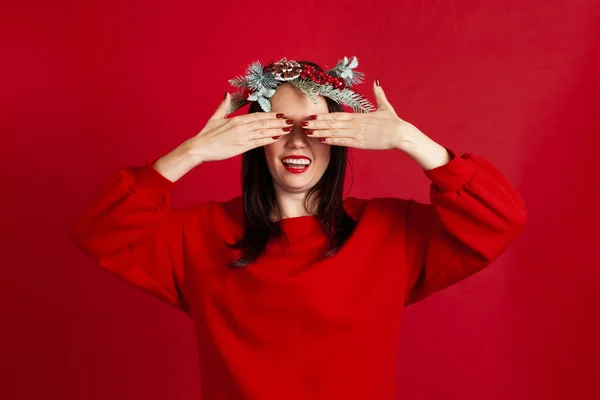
{"x":301,"y":175}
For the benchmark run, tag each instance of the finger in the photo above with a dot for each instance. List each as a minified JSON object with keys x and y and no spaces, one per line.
{"x":338,"y":116}
{"x":221,"y":112}
{"x":380,"y":98}
{"x":327,"y":124}
{"x":341,"y":141}
{"x":335,"y":132}
{"x":258,"y":142}
{"x":257,"y":116}
{"x":268,"y":124}
{"x":267,"y":133}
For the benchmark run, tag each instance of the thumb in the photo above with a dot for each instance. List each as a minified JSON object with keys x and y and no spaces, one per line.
{"x":222,"y":109}
{"x":382,"y":102}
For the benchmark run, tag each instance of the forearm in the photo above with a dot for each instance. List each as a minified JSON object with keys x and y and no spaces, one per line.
{"x":177,"y":163}
{"x":421,"y":148}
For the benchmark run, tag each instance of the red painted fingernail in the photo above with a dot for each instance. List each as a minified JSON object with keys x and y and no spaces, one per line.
{"x":304,"y":123}
{"x":309,"y":132}
{"x":289,"y":121}
{"x":322,"y":139}
{"x":279,"y":115}
{"x":312,"y":117}
{"x":377,"y":82}
{"x":275,"y":137}
{"x":287,"y":129}
{"x":225,"y":95}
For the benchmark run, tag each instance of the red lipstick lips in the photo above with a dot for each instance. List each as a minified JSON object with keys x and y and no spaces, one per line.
{"x":296,"y":168}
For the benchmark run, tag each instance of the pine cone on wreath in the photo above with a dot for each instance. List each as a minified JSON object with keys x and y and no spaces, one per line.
{"x":284,"y":70}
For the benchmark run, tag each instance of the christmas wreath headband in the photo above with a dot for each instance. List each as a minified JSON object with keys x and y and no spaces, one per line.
{"x":259,"y":84}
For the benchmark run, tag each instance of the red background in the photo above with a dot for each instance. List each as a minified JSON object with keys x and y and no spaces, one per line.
{"x":88,"y":88}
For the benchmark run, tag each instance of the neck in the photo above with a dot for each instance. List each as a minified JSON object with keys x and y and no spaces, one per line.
{"x":290,"y":205}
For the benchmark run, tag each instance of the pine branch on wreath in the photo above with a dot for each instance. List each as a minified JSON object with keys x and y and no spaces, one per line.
{"x":237,"y":101}
{"x":345,"y":96}
{"x":239,"y":82}
{"x":308,"y":87}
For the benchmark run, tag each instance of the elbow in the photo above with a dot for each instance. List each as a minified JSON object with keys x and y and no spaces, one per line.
{"x":520,"y":215}
{"x":520,"y":220}
{"x":504,"y":238}
{"x":511,"y":233}
{"x":76,"y":233}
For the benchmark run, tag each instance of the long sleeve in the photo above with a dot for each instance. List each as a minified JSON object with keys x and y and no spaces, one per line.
{"x":474,"y":216}
{"x":130,"y":230}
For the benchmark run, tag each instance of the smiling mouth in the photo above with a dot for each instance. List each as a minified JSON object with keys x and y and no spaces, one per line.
{"x":296,"y":165}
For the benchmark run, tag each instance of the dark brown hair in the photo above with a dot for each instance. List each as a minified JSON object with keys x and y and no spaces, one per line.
{"x":258,"y":197}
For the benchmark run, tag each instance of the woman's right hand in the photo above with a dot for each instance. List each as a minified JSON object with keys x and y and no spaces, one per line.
{"x":223,"y":138}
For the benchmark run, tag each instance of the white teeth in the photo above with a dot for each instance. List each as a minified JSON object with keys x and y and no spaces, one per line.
{"x":296,"y":161}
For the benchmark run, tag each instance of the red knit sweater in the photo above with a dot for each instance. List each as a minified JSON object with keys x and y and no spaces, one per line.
{"x":294,"y":326}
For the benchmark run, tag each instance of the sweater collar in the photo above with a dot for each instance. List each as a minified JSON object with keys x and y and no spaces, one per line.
{"x":304,"y":227}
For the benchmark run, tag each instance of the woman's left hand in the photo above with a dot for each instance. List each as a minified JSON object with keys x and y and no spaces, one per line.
{"x":378,"y":130}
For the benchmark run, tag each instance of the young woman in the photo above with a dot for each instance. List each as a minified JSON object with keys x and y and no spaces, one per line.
{"x":295,"y":292}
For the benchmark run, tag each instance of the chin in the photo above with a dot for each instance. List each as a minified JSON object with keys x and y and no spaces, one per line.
{"x":295,"y":187}
{"x":295,"y":184}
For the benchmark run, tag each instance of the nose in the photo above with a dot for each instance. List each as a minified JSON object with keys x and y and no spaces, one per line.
{"x":296,"y":137}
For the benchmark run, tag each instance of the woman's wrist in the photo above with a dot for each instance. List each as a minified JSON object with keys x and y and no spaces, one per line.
{"x":424,"y":150}
{"x":178,"y":162}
